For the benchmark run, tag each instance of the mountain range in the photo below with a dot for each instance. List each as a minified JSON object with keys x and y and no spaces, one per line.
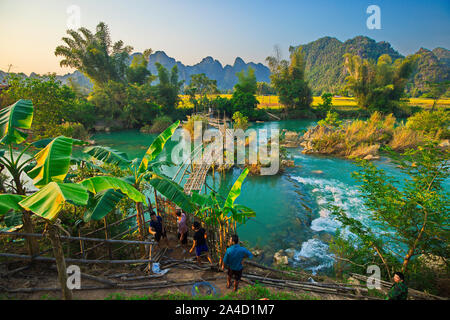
{"x":324,"y":65}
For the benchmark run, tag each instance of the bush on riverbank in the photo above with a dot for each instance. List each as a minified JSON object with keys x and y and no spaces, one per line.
{"x":360,"y":138}
{"x":159,"y":125}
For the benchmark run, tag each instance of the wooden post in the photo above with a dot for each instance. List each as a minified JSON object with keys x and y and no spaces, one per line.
{"x":83,"y":253}
{"x":156,"y":202}
{"x":58,"y":252}
{"x":140,"y":223}
{"x":108,"y":245}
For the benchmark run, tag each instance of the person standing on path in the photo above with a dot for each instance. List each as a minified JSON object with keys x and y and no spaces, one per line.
{"x":199,"y":242}
{"x":182,"y":227}
{"x":233,"y":258}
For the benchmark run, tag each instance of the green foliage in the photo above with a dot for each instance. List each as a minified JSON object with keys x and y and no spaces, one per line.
{"x":265,"y":89}
{"x":245,"y":102}
{"x":102,"y":204}
{"x":159,"y":124}
{"x":52,"y":162}
{"x":108,"y":155}
{"x":327,"y":103}
{"x":332,"y":120}
{"x":254,"y":292}
{"x":125,"y":105}
{"x":410,"y":218}
{"x":378,"y":86}
{"x":173,"y":192}
{"x":53,"y":103}
{"x":73,"y":130}
{"x":240,"y":121}
{"x":223,"y":105}
{"x":431,"y":77}
{"x":168,"y":89}
{"x":434,"y":124}
{"x":137,"y":72}
{"x":288,"y":78}
{"x":95,"y":55}
{"x":14,"y":119}
{"x":246,"y":81}
{"x":198,"y":90}
{"x":244,"y":99}
{"x":48,"y":202}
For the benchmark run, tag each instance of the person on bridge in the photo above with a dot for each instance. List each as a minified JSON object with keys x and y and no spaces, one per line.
{"x":233,"y":258}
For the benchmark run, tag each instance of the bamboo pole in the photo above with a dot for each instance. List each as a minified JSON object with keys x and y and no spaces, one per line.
{"x":108,"y":245}
{"x":85,"y":261}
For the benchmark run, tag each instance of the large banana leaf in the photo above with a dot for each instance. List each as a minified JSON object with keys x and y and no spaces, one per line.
{"x":240,"y":213}
{"x":173,"y":192}
{"x":157,"y":146}
{"x":236,"y":189}
{"x":8,"y":202}
{"x":98,"y":184}
{"x":41,"y":143}
{"x":14,"y":118}
{"x":52,"y":162}
{"x":102,"y":204}
{"x":48,"y":201}
{"x":108,"y":155}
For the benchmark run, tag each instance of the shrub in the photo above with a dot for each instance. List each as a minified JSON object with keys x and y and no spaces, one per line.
{"x":159,"y":125}
{"x":433,"y":124}
{"x":332,"y":119}
{"x":240,"y":121}
{"x":69,"y":129}
{"x":189,"y":125}
{"x":405,"y":138}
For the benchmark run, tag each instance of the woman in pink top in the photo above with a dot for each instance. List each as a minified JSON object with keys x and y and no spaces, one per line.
{"x":182,"y":227}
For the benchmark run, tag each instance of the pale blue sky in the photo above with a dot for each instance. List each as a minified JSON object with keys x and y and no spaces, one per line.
{"x":189,"y":30}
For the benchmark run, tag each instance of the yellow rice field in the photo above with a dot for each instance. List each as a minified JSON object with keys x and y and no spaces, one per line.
{"x":271,"y":102}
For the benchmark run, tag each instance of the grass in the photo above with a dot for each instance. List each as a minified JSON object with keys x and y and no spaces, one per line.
{"x":363,"y":138}
{"x":254,"y":292}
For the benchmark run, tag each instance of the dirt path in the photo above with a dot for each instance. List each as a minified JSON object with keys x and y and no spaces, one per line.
{"x":44,"y":275}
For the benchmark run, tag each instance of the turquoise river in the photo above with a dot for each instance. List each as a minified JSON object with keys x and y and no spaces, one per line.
{"x":290,"y":207}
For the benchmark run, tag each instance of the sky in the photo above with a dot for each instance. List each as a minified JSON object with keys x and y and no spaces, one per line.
{"x":189,"y":30}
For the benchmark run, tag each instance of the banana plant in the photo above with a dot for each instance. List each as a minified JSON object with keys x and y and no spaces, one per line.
{"x":49,"y":175}
{"x":142,"y":169}
{"x":223,"y":214}
{"x":14,"y":121}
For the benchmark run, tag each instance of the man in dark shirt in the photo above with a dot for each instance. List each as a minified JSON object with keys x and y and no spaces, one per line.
{"x":233,"y":260}
{"x":399,"y":290}
{"x":199,"y":242}
{"x":157,"y":228}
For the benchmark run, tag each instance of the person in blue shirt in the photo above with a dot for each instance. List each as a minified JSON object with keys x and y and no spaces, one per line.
{"x":233,"y":261}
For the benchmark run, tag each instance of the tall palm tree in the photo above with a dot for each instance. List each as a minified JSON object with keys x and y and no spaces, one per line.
{"x":94,"y":54}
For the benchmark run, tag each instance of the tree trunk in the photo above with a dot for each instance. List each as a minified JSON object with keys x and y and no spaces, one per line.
{"x":413,"y":248}
{"x":141,"y":227}
{"x":32,"y":242}
{"x":53,"y":234}
{"x":156,"y":203}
